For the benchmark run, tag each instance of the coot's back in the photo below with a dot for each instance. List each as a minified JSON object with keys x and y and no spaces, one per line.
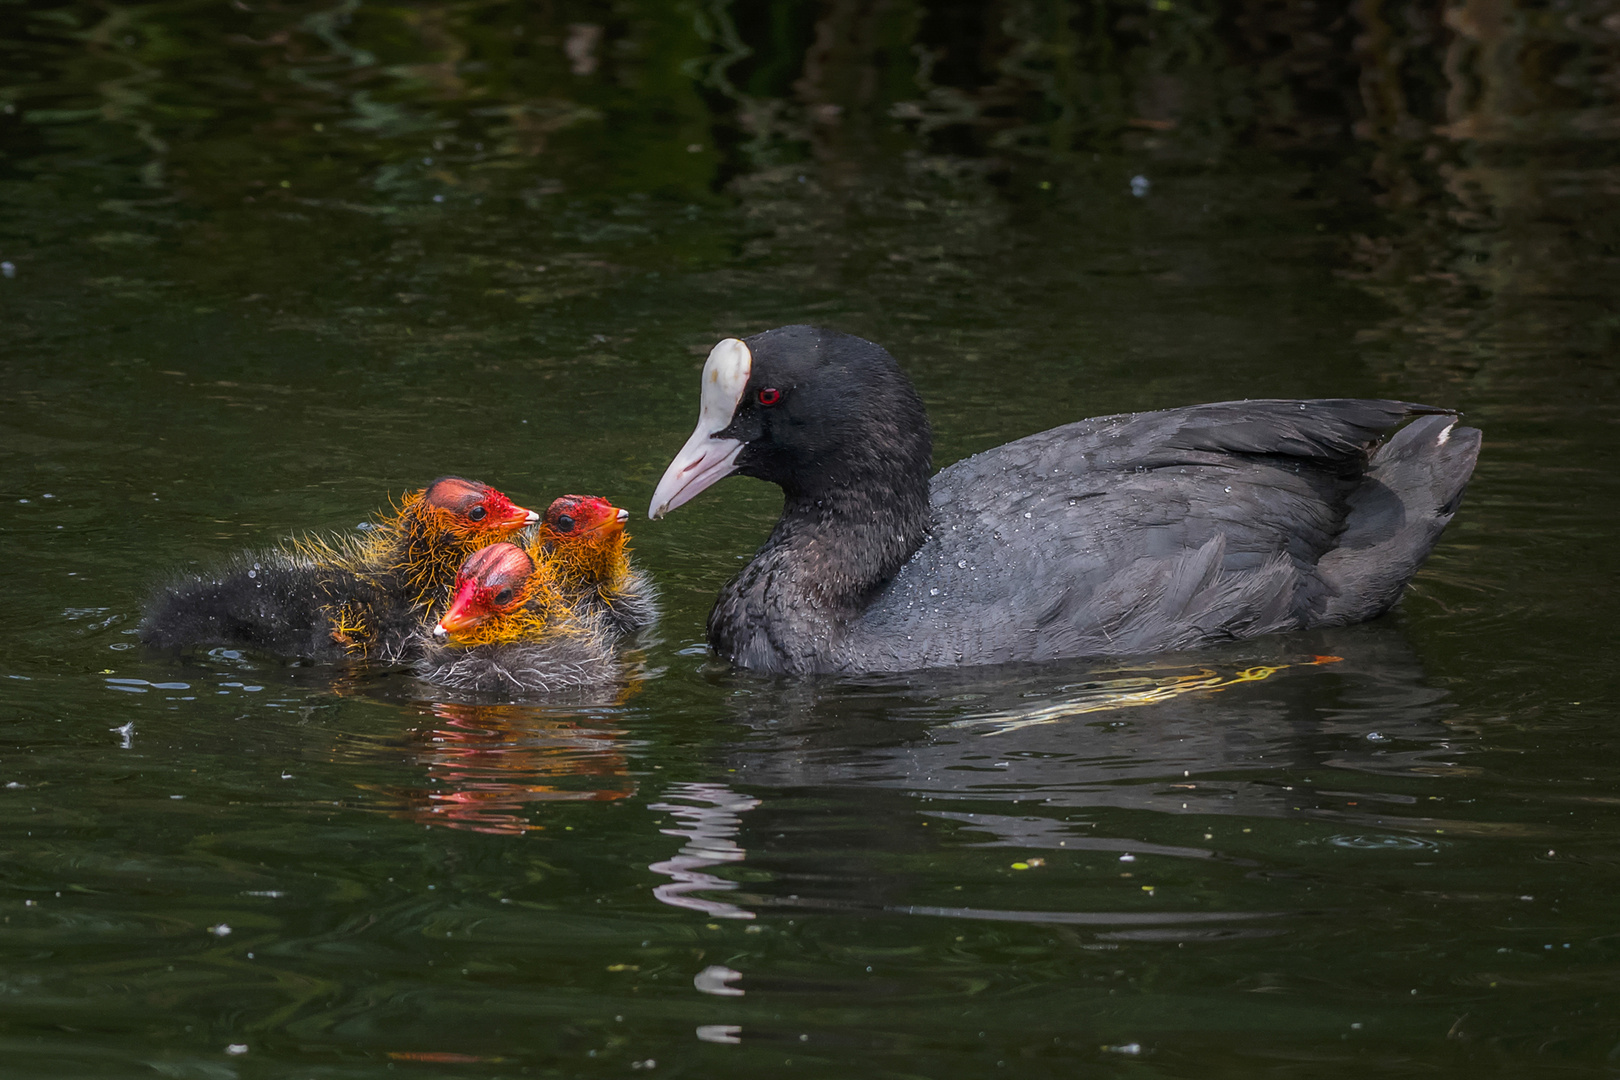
{"x":1169,"y":530}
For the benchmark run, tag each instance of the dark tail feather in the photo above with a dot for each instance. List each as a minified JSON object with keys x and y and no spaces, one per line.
{"x":1322,"y":428}
{"x":1413,"y":488}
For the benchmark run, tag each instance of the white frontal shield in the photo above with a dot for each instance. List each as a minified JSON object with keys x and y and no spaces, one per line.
{"x":705,"y":459}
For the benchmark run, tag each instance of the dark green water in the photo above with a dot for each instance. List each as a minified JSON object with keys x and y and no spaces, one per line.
{"x":270,"y":264}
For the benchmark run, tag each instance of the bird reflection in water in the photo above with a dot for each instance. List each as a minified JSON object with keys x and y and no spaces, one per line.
{"x":710,"y":815}
{"x":487,"y":763}
{"x":1329,"y":740}
{"x":1326,"y":729}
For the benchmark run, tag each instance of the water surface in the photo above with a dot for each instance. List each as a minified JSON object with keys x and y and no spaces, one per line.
{"x":265,"y":266}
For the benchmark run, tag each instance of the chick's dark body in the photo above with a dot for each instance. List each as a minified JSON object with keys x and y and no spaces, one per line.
{"x":283,"y":603}
{"x":356,"y":596}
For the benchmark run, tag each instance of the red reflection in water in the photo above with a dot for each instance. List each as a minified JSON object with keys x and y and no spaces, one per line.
{"x":487,"y":763}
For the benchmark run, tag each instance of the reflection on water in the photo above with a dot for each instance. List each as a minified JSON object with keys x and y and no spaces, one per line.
{"x":1372,"y":711}
{"x":1109,"y":692}
{"x":1282,"y":740}
{"x":484,"y":765}
{"x":710,"y":819}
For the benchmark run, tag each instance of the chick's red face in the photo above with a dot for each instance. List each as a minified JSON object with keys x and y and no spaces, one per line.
{"x":477,"y":509}
{"x":490,"y":582}
{"x":584,"y":515}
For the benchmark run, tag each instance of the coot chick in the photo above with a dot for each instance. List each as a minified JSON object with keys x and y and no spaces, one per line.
{"x":508,"y":628}
{"x":1117,"y":535}
{"x":582,"y":537}
{"x":339,"y":597}
{"x":419,"y":548}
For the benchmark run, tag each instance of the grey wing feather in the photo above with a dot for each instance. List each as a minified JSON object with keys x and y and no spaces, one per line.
{"x":1154,"y":531}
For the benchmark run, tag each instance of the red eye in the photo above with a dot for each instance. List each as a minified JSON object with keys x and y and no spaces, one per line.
{"x":769,"y":395}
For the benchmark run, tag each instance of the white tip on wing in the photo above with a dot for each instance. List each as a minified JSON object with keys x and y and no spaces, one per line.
{"x":705,"y":458}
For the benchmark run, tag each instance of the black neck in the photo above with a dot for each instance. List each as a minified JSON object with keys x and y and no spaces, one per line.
{"x":826,"y":558}
{"x":849,"y":543}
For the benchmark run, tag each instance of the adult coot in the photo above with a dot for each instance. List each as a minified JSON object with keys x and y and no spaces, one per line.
{"x":1115,"y":535}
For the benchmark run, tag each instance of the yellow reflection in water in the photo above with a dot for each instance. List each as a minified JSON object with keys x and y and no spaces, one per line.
{"x":1125,"y":692}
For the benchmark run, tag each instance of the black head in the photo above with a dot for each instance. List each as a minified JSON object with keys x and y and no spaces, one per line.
{"x":812,"y":410}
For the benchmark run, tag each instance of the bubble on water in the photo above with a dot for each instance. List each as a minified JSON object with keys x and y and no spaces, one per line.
{"x":9,"y":269}
{"x":1386,"y":842}
{"x":1140,"y":186}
